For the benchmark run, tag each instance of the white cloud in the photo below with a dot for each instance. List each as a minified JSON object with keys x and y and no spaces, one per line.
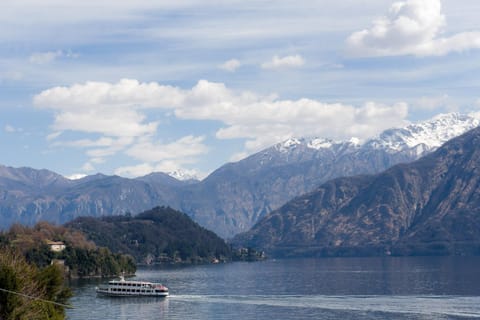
{"x":169,"y":157}
{"x":284,"y":62}
{"x":108,"y":109}
{"x":413,"y":27}
{"x":9,"y":129}
{"x":144,"y":169}
{"x":44,"y":57}
{"x":54,"y":135}
{"x":231,"y":65}
{"x":139,"y":170}
{"x":440,"y":103}
{"x":49,"y":56}
{"x":182,"y":150}
{"x":116,"y":112}
{"x":88,"y":167}
{"x":265,"y":120}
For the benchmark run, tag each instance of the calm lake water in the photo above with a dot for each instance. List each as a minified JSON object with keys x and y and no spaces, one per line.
{"x":336,"y":288}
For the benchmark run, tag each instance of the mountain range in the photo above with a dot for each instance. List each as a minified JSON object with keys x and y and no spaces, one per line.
{"x":235,"y":196}
{"x":430,"y":206}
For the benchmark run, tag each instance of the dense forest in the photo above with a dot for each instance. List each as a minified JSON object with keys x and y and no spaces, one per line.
{"x":161,"y":236}
{"x":79,"y":258}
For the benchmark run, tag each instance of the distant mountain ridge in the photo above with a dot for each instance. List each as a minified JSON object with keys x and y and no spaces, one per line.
{"x":430,"y":206}
{"x":235,"y":196}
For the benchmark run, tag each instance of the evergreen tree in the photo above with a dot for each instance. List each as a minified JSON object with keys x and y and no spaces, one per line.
{"x":28,"y":292}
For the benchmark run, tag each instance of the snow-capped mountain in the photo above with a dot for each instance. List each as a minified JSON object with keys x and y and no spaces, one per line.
{"x":235,"y":196}
{"x":428,"y":207}
{"x":419,"y":138}
{"x":184,"y":175}
{"x":425,"y":136}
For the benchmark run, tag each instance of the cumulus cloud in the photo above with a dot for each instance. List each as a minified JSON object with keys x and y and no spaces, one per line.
{"x":284,"y":62}
{"x":412,"y":27}
{"x":108,"y":109}
{"x":117,"y":112}
{"x":231,"y":65}
{"x":182,"y":150}
{"x":265,"y":120}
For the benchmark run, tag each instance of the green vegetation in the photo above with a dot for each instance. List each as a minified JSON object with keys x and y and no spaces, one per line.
{"x":29,"y":292}
{"x":161,"y":235}
{"x":79,"y":258}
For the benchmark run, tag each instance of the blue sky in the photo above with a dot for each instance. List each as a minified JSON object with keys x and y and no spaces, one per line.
{"x":131,"y":87}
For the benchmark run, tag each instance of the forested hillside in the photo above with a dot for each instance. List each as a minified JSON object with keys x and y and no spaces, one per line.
{"x":160,"y":235}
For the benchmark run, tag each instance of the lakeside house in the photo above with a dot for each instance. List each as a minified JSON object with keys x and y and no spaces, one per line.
{"x":56,"y":246}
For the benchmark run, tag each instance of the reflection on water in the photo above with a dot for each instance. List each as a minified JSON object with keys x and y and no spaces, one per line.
{"x":348,"y":288}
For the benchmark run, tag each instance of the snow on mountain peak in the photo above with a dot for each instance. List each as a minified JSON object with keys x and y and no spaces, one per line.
{"x":319,"y":143}
{"x":288,"y":144}
{"x":419,"y":137}
{"x":183,"y":175}
{"x":425,"y":136}
{"x":355,"y":141}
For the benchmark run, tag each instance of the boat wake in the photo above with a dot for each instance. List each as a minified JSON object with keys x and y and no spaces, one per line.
{"x":446,"y":306}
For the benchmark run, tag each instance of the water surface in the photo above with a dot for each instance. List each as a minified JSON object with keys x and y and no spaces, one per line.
{"x":334,"y":288}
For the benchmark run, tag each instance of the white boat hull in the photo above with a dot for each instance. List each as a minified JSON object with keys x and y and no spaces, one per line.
{"x":124,"y":288}
{"x":106,"y":292}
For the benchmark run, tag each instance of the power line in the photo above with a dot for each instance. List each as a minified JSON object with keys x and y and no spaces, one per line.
{"x":37,"y":298}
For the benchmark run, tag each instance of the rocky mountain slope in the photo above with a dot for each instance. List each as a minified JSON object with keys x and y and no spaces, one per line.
{"x":233,"y":197}
{"x":28,"y":196}
{"x":430,"y":206}
{"x":236,"y":195}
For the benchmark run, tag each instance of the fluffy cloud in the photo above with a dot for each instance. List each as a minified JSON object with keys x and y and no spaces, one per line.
{"x":284,"y":62}
{"x":169,"y":157}
{"x":231,"y":65}
{"x":312,"y":118}
{"x":117,"y":112}
{"x":411,"y":28}
{"x":265,"y":120}
{"x":182,"y":150}
{"x":108,"y":109}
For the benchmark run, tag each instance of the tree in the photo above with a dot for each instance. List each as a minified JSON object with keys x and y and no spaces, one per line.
{"x":28,"y":292}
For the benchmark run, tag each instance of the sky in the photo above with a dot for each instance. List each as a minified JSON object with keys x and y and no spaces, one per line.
{"x":134,"y":87}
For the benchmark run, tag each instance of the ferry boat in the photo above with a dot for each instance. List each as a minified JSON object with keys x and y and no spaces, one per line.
{"x":124,"y":288}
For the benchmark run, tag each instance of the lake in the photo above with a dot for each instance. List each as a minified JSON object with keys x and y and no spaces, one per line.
{"x":330,"y":288}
